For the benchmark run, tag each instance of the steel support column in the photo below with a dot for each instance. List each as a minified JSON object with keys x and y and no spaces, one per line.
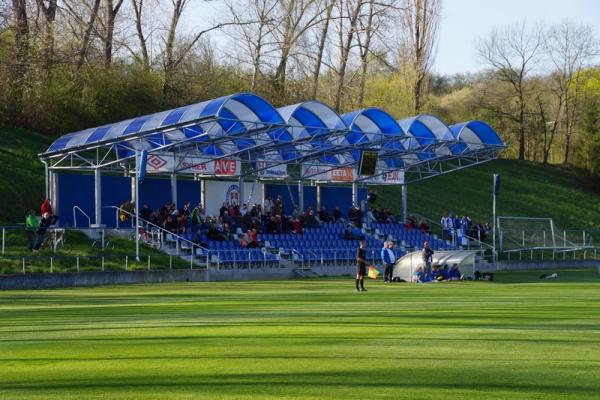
{"x":174,"y":189}
{"x":98,"y":196}
{"x":404,"y":203}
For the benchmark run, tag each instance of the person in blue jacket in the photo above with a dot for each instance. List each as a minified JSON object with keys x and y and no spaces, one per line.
{"x":389,"y":258}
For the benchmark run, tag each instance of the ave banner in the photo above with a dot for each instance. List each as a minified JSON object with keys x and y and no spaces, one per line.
{"x":192,"y":165}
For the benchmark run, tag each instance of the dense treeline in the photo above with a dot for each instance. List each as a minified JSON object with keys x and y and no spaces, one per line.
{"x":67,"y":65}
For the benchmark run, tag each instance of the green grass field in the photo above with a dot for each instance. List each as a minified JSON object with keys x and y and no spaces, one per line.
{"x":515,"y":338}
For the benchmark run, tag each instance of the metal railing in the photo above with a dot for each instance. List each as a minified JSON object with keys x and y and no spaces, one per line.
{"x":77,"y":208}
{"x":165,"y":233}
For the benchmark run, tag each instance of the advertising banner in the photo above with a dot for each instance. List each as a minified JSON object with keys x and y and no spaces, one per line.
{"x":192,"y":165}
{"x":271,"y":170}
{"x":324,"y":173}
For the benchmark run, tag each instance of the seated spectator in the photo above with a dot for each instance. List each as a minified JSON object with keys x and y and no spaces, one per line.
{"x":145,"y":212}
{"x":223,"y":209}
{"x":247,"y":241}
{"x":298,"y":228}
{"x":419,"y":275}
{"x":198,"y":217}
{"x":272,"y":225}
{"x":324,"y":215}
{"x":309,"y":218}
{"x":410,"y":222}
{"x":454,"y":274}
{"x":355,"y":216}
{"x":424,"y":226}
{"x":337,"y":215}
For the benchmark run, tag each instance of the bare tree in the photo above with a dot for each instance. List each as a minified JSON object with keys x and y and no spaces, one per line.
{"x":112,"y":10}
{"x":512,"y":52}
{"x":84,"y":25}
{"x":254,"y":39}
{"x":49,"y":12}
{"x":569,"y":49}
{"x":138,"y":6}
{"x":419,"y":22}
{"x":349,"y":13}
{"x":297,"y":20}
{"x":328,"y":4}
{"x":21,"y":32}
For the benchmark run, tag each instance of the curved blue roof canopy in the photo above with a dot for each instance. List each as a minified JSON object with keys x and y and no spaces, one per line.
{"x":317,"y":121}
{"x":474,"y":135}
{"x":236,"y":114}
{"x":245,"y":125}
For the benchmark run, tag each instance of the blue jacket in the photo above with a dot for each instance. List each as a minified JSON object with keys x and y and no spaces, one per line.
{"x":385,"y":256}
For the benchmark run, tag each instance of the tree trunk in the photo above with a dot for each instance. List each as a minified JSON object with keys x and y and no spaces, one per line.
{"x":322,"y":41}
{"x":87,"y":35}
{"x":21,"y":32}
{"x":345,"y":53}
{"x":169,"y":62}
{"x":49,"y":19}
{"x":111,"y":14}
{"x":364,"y":56}
{"x":137,"y":8}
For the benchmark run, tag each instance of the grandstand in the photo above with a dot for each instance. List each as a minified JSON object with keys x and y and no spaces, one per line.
{"x":239,"y":149}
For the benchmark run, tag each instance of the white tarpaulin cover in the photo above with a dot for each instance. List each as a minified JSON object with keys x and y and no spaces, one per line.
{"x":406,"y":266}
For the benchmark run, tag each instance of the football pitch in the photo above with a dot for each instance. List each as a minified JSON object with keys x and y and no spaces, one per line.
{"x":518,"y":337}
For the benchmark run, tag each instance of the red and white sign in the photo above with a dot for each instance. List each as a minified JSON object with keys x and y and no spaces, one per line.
{"x":192,"y":165}
{"x":324,"y":173}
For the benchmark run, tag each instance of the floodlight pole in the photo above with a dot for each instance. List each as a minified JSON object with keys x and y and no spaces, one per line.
{"x":137,"y":205}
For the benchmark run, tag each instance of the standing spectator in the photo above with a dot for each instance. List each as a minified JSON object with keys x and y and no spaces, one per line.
{"x":268,"y":205}
{"x":46,"y":207}
{"x":46,"y":221}
{"x":31,"y":224}
{"x":361,"y":266}
{"x":186,"y":209}
{"x":389,"y":258}
{"x":427,"y":256}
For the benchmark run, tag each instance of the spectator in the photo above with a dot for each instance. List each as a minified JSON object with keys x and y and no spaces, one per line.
{"x":297,"y":226}
{"x":46,"y":221}
{"x":389,"y":258}
{"x":224,"y":208}
{"x":46,"y":207}
{"x":248,"y":241}
{"x":186,"y":209}
{"x":268,"y":205}
{"x":410,"y":222}
{"x":427,"y":257}
{"x":145,"y":212}
{"x":424,"y":226}
{"x":337,"y":214}
{"x":454,"y":274}
{"x":324,"y":215}
{"x":31,"y":225}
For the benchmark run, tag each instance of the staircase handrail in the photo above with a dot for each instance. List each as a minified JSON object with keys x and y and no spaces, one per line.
{"x":77,"y":208}
{"x":160,"y":228}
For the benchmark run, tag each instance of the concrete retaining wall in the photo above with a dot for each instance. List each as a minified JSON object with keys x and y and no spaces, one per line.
{"x":556,"y":264}
{"x":45,"y":281}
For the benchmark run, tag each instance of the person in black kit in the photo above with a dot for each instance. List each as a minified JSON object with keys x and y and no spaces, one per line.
{"x":361,"y":268}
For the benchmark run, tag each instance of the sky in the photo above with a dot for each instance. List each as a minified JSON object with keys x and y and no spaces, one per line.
{"x":464,"y":21}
